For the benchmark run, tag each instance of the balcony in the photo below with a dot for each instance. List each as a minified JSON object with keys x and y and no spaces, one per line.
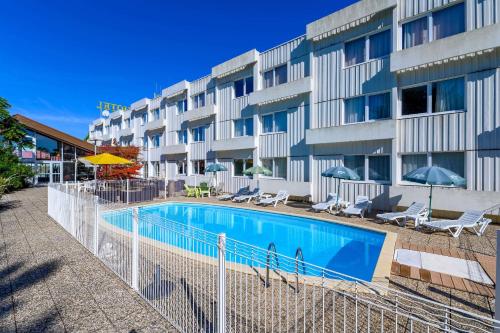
{"x":154,"y":125}
{"x":235,"y":64}
{"x":200,"y":113}
{"x":453,"y":48}
{"x":244,"y":142}
{"x":115,"y":115}
{"x":125,"y":132}
{"x":140,"y":104}
{"x":175,"y":89}
{"x":174,"y":149}
{"x":367,"y":131}
{"x":281,"y":92}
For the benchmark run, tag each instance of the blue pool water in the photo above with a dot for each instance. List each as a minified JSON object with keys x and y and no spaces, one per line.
{"x":341,"y":248}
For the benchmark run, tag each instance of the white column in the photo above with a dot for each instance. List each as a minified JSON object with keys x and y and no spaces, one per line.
{"x":135,"y":248}
{"x":221,"y":284}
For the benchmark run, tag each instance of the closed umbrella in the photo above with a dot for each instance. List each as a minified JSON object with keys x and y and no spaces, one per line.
{"x":215,"y":167}
{"x":434,"y":176}
{"x":340,"y":172}
{"x":258,"y":170}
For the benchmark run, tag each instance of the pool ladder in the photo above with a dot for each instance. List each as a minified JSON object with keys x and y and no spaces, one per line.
{"x":299,"y":256}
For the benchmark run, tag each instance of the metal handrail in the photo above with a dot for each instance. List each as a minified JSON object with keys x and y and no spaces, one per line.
{"x":271,"y":249}
{"x":299,"y":255}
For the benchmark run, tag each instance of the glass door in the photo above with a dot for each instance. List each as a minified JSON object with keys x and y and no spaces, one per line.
{"x":56,"y":172}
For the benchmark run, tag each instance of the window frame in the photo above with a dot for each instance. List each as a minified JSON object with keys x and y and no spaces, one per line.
{"x":274,"y":131}
{"x":430,"y":23}
{"x":367,"y":107}
{"x":184,"y":104}
{"x":155,"y":114}
{"x":366,"y":36}
{"x":197,"y":98}
{"x":245,"y":166}
{"x":182,"y":163}
{"x":429,"y":164}
{"x":429,"y":110}
{"x":366,"y":166}
{"x":245,"y":90}
{"x":196,"y":170}
{"x":198,"y":128}
{"x":273,"y":76}
{"x":184,"y":135}
{"x":273,"y":167}
{"x":245,"y":129}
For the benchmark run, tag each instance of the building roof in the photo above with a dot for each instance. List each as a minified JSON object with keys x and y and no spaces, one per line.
{"x":53,"y":133}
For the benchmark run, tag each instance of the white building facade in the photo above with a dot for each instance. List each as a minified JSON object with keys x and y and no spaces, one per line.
{"x":382,"y":87}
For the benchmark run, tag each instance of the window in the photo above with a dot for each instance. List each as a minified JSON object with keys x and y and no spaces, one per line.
{"x":415,"y":32}
{"x":145,"y":142}
{"x":144,"y":118}
{"x":379,"y":168}
{"x":412,"y":162}
{"x":355,"y":52}
{"x":240,"y":165}
{"x":448,"y":22}
{"x":451,"y":161}
{"x":155,"y":113}
{"x":127,"y":123}
{"x":275,"y":122}
{"x":445,"y":22}
{"x":199,"y":167}
{"x":379,"y":106}
{"x":276,"y":76}
{"x":354,"y":110}
{"x":199,"y":101}
{"x":278,"y":166}
{"x":199,"y":134}
{"x":356,"y":163}
{"x":182,"y":137}
{"x":243,"y":87}
{"x":380,"y":44}
{"x":243,"y":127}
{"x":181,"y":167}
{"x":156,"y":168}
{"x":155,"y":140}
{"x":181,"y":106}
{"x":414,"y":100}
{"x":448,"y":95}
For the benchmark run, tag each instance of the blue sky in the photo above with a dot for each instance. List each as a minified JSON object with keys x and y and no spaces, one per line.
{"x":59,"y":57}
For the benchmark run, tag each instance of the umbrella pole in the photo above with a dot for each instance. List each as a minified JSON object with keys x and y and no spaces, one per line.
{"x":430,"y":205}
{"x":338,"y":193}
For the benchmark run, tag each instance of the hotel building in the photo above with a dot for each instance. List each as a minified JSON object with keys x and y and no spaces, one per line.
{"x":382,"y":87}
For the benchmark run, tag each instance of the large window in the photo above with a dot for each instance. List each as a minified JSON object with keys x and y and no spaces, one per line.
{"x":199,"y":134}
{"x":276,"y":76}
{"x":181,"y":167}
{"x":372,"y":167}
{"x":240,"y":165}
{"x":199,"y":167}
{"x":355,"y":52}
{"x":181,"y":106}
{"x":447,"y":95}
{"x":412,"y":162}
{"x":454,"y":161}
{"x":182,"y":137}
{"x":372,"y":46}
{"x":47,"y":148}
{"x":445,"y":22}
{"x":243,"y":127}
{"x":356,"y":163}
{"x":243,"y":87}
{"x":155,"y":140}
{"x":371,"y":107}
{"x":278,"y":166}
{"x":199,"y":101}
{"x":275,"y":122}
{"x":155,"y":114}
{"x":380,"y":44}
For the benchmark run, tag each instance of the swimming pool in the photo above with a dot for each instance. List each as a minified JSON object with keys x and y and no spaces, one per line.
{"x":345,"y":249}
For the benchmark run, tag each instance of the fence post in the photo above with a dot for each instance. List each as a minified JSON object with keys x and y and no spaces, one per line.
{"x":165,"y":188}
{"x":128,"y":190}
{"x":72,"y":207}
{"x":497,"y":287}
{"x":135,"y":248}
{"x":96,"y":225}
{"x":221,"y":284}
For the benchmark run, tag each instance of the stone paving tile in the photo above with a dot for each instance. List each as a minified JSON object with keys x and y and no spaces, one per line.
{"x":51,"y":283}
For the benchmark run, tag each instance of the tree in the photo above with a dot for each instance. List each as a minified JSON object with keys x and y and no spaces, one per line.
{"x":12,"y":139}
{"x":120,"y":171}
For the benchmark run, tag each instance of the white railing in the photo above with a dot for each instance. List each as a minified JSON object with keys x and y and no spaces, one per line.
{"x":201,"y":281}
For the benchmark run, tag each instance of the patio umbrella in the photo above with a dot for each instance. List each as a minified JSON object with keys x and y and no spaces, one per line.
{"x":340,"y":172}
{"x":434,"y":176}
{"x":258,"y":170}
{"x":105,"y":159}
{"x":215,"y":167}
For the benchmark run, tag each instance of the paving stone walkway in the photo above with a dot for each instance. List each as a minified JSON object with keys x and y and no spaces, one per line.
{"x":50,"y":283}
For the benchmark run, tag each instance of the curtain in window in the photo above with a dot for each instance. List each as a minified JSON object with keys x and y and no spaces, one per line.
{"x":354,"y":110}
{"x":355,"y":52}
{"x":267,"y":123}
{"x":379,"y":168}
{"x":249,"y":126}
{"x":238,"y":128}
{"x":280,"y":75}
{"x":280,"y":167}
{"x":379,"y":106}
{"x":450,"y":161}
{"x":356,"y":163}
{"x":449,"y":21}
{"x":380,"y":44}
{"x":448,"y":95}
{"x":415,"y":32}
{"x":280,"y":121}
{"x":268,"y":79}
{"x":412,"y":162}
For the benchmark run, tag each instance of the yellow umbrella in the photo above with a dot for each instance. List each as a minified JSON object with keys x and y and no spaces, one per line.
{"x":106,"y":159}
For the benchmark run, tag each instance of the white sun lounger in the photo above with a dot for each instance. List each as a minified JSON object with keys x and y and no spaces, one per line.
{"x":229,"y":196}
{"x":361,"y":205}
{"x":470,"y":219}
{"x":255,"y":194}
{"x":282,"y":195}
{"x":332,"y":200}
{"x":415,"y":210}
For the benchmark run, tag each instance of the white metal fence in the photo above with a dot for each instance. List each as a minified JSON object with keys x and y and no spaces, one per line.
{"x":205,"y":282}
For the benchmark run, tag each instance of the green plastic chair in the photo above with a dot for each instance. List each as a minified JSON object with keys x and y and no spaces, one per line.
{"x":204,"y":189}
{"x":191,"y":191}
